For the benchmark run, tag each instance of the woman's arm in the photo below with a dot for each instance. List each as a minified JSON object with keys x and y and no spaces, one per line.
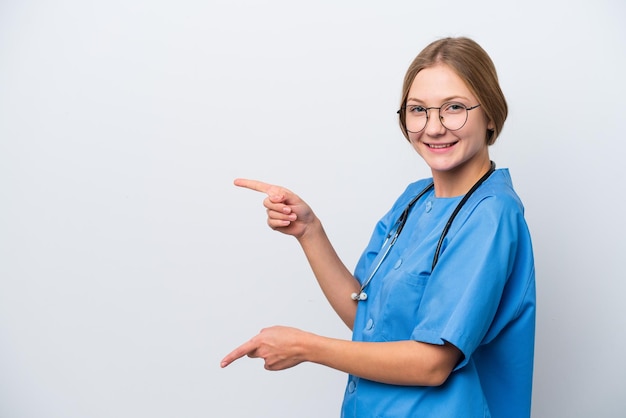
{"x":399,"y":363}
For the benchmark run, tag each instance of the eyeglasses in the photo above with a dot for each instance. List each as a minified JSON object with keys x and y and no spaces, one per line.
{"x":452,"y":116}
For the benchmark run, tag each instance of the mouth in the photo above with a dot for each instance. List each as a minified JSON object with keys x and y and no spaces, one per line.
{"x":441,"y":146}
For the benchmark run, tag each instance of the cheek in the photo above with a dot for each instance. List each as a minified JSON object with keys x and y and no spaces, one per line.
{"x":475,"y":133}
{"x":415,"y":143}
{"x":414,"y":139}
{"x":477,"y":141}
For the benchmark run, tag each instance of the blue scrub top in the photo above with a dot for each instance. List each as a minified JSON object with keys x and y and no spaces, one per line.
{"x":480,"y":297}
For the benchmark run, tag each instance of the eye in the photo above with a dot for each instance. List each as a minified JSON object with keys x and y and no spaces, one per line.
{"x":452,"y":108}
{"x":416,"y":110}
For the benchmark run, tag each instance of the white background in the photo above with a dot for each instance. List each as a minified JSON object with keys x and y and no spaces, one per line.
{"x":130,"y":264}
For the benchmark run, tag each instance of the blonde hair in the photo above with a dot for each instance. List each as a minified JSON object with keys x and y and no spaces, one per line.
{"x":473,"y":65}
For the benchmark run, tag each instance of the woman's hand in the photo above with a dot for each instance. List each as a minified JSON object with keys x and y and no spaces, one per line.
{"x":286,"y":212}
{"x":280,"y":347}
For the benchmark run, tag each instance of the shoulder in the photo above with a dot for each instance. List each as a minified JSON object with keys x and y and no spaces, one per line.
{"x":493,"y":208}
{"x":498,"y":194}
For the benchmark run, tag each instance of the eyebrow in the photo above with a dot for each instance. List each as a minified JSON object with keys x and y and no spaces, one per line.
{"x":447,"y":99}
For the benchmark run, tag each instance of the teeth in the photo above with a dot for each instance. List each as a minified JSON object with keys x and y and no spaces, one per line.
{"x":440,"y":146}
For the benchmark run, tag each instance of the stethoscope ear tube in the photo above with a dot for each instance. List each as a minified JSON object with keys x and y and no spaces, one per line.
{"x":446,"y":228}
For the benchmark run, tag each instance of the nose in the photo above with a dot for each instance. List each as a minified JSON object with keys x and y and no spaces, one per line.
{"x":434,"y":126}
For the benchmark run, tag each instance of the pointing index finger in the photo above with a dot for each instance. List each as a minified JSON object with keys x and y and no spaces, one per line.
{"x":238,"y":353}
{"x":256,"y":185}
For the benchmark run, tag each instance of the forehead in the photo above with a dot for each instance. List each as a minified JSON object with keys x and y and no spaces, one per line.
{"x":437,"y":83}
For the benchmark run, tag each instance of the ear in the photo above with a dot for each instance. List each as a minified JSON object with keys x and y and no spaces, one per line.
{"x":491,"y":126}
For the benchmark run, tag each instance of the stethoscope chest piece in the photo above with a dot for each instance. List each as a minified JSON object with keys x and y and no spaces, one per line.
{"x":359,"y":296}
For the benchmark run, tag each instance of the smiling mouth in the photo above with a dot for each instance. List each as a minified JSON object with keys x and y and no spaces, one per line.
{"x":440,"y":146}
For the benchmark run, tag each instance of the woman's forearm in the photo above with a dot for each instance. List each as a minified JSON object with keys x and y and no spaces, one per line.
{"x":335,"y":280}
{"x":399,"y":363}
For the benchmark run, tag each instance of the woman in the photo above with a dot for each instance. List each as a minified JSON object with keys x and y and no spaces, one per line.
{"x":442,"y":301}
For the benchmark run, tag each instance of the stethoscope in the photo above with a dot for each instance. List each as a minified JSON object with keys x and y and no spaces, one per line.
{"x":392,"y":237}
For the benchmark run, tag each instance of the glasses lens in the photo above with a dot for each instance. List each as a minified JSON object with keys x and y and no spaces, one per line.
{"x":415,"y":118}
{"x":453,"y":115}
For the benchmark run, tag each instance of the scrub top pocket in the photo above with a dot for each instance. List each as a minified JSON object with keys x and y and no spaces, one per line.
{"x":401,"y":295}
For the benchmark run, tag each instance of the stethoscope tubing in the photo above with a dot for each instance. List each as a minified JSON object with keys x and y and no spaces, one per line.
{"x":399,"y":225}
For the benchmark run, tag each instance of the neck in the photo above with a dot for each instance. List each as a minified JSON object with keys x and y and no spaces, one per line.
{"x":459,"y":181}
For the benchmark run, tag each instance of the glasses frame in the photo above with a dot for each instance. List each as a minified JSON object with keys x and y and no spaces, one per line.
{"x":402,"y":114}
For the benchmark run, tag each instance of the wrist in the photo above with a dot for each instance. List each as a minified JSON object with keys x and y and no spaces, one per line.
{"x":312,"y":232}
{"x":312,"y":347}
